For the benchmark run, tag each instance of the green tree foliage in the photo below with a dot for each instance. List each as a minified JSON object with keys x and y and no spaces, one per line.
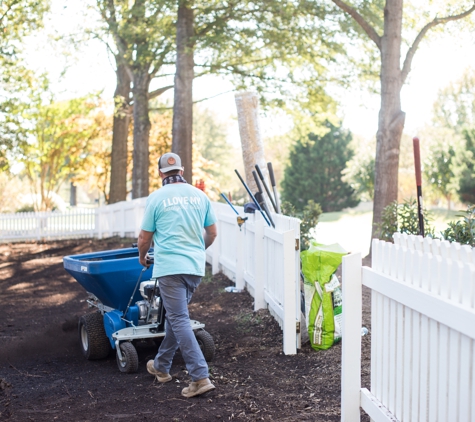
{"x":276,"y":47}
{"x":210,"y":139}
{"x":455,"y":110}
{"x":17,"y":20}
{"x":455,"y":104}
{"x":141,"y":35}
{"x":13,"y":133}
{"x":393,"y":26}
{"x":359,"y":173}
{"x":315,"y":171}
{"x":438,"y":169}
{"x":57,"y":137}
{"x":464,"y":168}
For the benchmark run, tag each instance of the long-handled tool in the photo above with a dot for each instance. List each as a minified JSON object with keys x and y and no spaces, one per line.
{"x":261,"y":199}
{"x":240,"y":220}
{"x":261,"y":176}
{"x":417,"y":165}
{"x":252,"y":197}
{"x":272,"y":182}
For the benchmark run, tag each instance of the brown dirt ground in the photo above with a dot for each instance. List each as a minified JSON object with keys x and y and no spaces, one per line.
{"x":44,"y":376}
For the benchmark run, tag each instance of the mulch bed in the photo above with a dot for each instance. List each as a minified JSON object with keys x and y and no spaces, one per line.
{"x":44,"y":376}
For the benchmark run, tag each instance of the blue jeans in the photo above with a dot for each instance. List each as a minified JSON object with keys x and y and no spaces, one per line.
{"x":176,"y":292}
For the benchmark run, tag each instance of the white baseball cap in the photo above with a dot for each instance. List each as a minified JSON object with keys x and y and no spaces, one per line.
{"x":168,"y":162}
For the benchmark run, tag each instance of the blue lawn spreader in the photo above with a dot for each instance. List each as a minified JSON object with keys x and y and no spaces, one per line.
{"x":127,"y":309}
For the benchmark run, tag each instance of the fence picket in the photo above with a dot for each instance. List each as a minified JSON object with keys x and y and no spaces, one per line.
{"x":375,"y":256}
{"x":464,"y":385}
{"x":436,"y":247}
{"x":455,"y":251}
{"x":468,"y":286}
{"x":399,"y":381}
{"x":445,"y":249}
{"x":427,"y":245}
{"x":421,"y":369}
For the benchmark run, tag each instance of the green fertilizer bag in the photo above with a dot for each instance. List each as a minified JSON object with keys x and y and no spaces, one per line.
{"x":323,"y":304}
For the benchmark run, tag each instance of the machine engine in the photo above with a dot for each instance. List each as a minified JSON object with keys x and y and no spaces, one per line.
{"x":150,"y":308}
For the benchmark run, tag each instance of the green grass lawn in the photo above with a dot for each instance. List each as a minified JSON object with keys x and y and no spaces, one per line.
{"x":351,"y":228}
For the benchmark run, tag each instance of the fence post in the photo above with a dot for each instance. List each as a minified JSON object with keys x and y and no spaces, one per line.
{"x":259,"y":296}
{"x":290,"y":321}
{"x":240,"y":245}
{"x":122,"y":206}
{"x":351,"y":344}
{"x":215,"y":250}
{"x":98,"y":223}
{"x":298,"y":310}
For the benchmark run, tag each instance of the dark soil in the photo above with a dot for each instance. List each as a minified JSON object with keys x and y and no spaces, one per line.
{"x":44,"y":376}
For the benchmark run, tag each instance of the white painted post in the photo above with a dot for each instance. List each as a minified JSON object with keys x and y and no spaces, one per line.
{"x":216,"y":250}
{"x":98,"y":223}
{"x":259,"y":294}
{"x":290,"y":322}
{"x":122,"y":219}
{"x":240,"y":257}
{"x":298,"y":310}
{"x":351,"y":344}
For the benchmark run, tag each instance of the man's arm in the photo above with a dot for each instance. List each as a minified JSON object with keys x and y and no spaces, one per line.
{"x":143,"y":244}
{"x":210,"y":234}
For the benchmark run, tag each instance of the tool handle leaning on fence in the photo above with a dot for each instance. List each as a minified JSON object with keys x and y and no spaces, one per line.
{"x":261,"y":198}
{"x":272,"y":182}
{"x":262,"y":202}
{"x":252,"y":197}
{"x":417,"y":166}
{"x":261,"y":176}
{"x":229,"y":202}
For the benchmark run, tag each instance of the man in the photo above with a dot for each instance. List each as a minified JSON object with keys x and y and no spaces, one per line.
{"x":174,"y":218}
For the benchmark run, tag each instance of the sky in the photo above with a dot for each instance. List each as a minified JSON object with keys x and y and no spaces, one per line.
{"x":435,"y":64}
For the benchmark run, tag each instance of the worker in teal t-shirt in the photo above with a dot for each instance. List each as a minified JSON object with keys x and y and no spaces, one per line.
{"x":180,"y":220}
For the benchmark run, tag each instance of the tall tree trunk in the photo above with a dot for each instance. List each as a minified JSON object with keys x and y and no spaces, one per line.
{"x":391,"y":117}
{"x":247,"y":104}
{"x":182,"y":129}
{"x":120,"y":131}
{"x":140,"y":182}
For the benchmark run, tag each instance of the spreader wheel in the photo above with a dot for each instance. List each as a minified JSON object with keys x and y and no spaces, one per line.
{"x":206,"y":344}
{"x":130,"y":359}
{"x":92,"y":337}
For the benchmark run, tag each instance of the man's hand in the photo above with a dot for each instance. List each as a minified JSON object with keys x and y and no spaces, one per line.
{"x":143,"y":244}
{"x":210,"y":234}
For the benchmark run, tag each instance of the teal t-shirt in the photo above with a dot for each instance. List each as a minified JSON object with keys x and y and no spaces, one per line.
{"x":177,"y":214}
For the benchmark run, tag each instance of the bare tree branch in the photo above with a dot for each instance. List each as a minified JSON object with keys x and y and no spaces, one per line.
{"x":159,"y":91}
{"x":194,"y":102}
{"x":370,"y":31}
{"x":437,"y":21}
{"x":9,"y":7}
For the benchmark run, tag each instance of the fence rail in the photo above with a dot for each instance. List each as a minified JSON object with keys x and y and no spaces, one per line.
{"x":423,"y":332}
{"x":263,"y":260}
{"x":78,"y":222}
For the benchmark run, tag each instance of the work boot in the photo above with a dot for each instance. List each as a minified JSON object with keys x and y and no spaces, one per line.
{"x":198,"y":387}
{"x":161,"y":377}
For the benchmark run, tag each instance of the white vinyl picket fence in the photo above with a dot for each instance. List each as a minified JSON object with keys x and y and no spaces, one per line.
{"x":74,"y":223}
{"x":422,"y":332}
{"x":265,"y":261}
{"x":120,"y":219}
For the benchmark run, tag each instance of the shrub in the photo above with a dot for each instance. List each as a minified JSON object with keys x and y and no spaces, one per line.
{"x":308,"y":219}
{"x":402,"y":218}
{"x":463,"y":230}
